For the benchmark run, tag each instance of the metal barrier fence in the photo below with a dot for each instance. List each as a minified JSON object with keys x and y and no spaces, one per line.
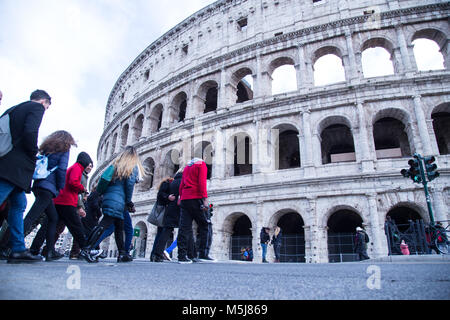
{"x":341,"y":247}
{"x":292,"y":248}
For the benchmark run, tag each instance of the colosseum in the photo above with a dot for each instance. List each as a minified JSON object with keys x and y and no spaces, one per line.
{"x":315,"y":158}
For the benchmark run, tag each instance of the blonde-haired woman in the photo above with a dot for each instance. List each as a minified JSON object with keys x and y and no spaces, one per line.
{"x":276,"y":242}
{"x":117,"y":200}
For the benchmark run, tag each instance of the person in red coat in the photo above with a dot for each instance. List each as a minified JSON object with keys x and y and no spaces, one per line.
{"x":67,"y":200}
{"x":193,"y":202}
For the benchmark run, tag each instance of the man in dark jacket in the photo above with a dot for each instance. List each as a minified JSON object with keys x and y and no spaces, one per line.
{"x":17,"y":168}
{"x":361,"y":240}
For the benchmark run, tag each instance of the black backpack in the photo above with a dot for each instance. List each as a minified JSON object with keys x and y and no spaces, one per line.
{"x":366,"y":237}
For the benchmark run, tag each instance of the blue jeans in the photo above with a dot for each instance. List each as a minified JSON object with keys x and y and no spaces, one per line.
{"x":18,"y":202}
{"x":172,"y":246}
{"x":264,"y":251}
{"x":128,"y":228}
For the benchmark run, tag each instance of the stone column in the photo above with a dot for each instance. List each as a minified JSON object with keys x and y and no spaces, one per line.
{"x":366,"y":161}
{"x":166,"y":113}
{"x":353,"y":71}
{"x":305,"y":80}
{"x":146,"y":122}
{"x":422,"y":125}
{"x":440,"y":208}
{"x":307,"y":159}
{"x":257,"y":250}
{"x":405,"y":58}
{"x":222,"y":102}
{"x":376,"y":227}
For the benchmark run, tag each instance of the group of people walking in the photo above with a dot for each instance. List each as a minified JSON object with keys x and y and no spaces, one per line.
{"x":275,"y":241}
{"x":62,"y":199}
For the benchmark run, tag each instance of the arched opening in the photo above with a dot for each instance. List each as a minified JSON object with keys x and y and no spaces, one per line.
{"x":287,"y":148}
{"x":241,"y":237}
{"x":140,"y":242}
{"x":137,"y":128}
{"x":341,"y":232}
{"x":328,"y":66}
{"x":337,"y":144}
{"x":391,"y":140}
{"x":293,"y":237}
{"x":401,"y":216}
{"x":149,"y":166}
{"x":244,"y":85}
{"x":376,"y":62}
{"x":156,"y":117}
{"x":427,"y":49}
{"x":204,"y":151}
{"x":124,"y":136}
{"x":178,"y":110}
{"x":242,"y":162}
{"x":114,"y":143}
{"x":284,"y":78}
{"x":171,"y":163}
{"x":106,"y":150}
{"x":211,"y":100}
{"x":441,"y":127}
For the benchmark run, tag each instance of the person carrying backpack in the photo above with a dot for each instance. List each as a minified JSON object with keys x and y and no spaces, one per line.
{"x":57,"y":149}
{"x":361,"y":240}
{"x":17,"y":167}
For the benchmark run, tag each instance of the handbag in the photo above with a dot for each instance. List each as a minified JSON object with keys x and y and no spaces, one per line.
{"x":41,"y":170}
{"x":156,"y":216}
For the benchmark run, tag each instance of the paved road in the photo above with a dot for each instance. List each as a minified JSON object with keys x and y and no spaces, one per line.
{"x":68,"y":279}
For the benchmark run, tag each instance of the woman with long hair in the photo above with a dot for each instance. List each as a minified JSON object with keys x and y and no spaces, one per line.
{"x":117,"y":199}
{"x":276,"y":242}
{"x":57,"y":148}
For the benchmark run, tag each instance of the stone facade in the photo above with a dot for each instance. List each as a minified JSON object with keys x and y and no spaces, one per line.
{"x":347,"y":141}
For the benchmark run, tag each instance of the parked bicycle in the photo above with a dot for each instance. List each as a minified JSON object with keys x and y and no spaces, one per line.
{"x":437,"y":237}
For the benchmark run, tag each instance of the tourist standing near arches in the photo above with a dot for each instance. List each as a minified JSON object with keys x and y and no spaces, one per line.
{"x":276,"y":242}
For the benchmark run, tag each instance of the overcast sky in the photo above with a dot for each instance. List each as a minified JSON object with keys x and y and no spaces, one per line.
{"x":77,"y":49}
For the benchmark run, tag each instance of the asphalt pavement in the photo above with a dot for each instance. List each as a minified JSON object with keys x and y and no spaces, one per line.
{"x":224,"y":280}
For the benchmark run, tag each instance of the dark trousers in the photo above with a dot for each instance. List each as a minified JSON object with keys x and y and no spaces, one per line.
{"x":190,"y":211}
{"x":42,"y":210}
{"x":106,"y":222}
{"x":161,"y":243}
{"x":71,"y":219}
{"x":159,"y":231}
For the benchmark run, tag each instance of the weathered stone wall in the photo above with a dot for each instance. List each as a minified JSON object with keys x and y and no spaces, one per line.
{"x":210,"y":48}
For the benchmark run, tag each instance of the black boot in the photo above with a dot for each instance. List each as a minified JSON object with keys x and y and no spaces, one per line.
{"x":93,"y":237}
{"x":124,"y":257}
{"x":52,"y":255}
{"x":23,"y":257}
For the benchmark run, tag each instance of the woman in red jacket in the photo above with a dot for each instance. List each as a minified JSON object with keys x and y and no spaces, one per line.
{"x":193,"y":202}
{"x":67,"y":200}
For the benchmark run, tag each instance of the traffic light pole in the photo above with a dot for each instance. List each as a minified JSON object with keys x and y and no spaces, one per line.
{"x":425,"y":186}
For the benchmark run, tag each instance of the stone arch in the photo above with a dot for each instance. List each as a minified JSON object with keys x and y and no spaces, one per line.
{"x":239,"y":154}
{"x":334,"y":56}
{"x":437,"y":36}
{"x":149,"y":166}
{"x":287,"y":147}
{"x":106,"y":151}
{"x":342,"y":221}
{"x":384,"y":57}
{"x":237,"y":228}
{"x":171,"y":163}
{"x":140,"y":243}
{"x":124,"y":136}
{"x":242,"y":84}
{"x":392,"y":133}
{"x":207,"y":93}
{"x":286,"y":79}
{"x":205,"y":151}
{"x":156,"y":116}
{"x":337,"y":142}
{"x":178,"y":107}
{"x":292,"y":225}
{"x":137,"y":127}
{"x":404,"y":210}
{"x":441,"y":126}
{"x":114,"y":143}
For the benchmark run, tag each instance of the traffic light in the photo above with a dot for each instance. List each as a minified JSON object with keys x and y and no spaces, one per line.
{"x":413,"y":172}
{"x":430,"y":168}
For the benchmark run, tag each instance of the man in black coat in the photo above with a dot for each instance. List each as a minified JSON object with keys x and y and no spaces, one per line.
{"x":17,"y":168}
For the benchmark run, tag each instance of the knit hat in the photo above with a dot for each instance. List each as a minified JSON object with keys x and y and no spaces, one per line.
{"x":359,"y":229}
{"x":84,"y":159}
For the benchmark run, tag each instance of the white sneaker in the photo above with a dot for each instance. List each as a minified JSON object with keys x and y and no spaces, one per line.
{"x":167,"y":255}
{"x":95,"y":253}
